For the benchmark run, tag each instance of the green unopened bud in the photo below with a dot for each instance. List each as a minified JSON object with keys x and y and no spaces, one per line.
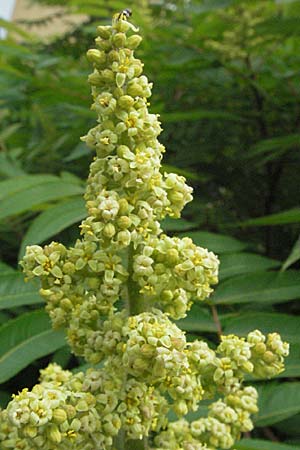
{"x":59,"y":416}
{"x":107,"y":75}
{"x":113,"y":55}
{"x":135,"y":90}
{"x":95,"y":79}
{"x":124,"y":238}
{"x":54,"y":435}
{"x":122,"y":26}
{"x":66,"y":304}
{"x":167,"y":295}
{"x":96,"y":56}
{"x":119,"y":39}
{"x":123,"y":206}
{"x":180,"y":408}
{"x":172,"y":256}
{"x":133,"y":41}
{"x":140,"y":364}
{"x":269,"y":357}
{"x":147,"y":350}
{"x":30,"y":431}
{"x":124,"y":222}
{"x":104,"y":45}
{"x":68,"y":268}
{"x":71,"y":411}
{"x":260,"y":348}
{"x":109,"y":230}
{"x":126,"y":101}
{"x":176,"y":197}
{"x":104,"y":31}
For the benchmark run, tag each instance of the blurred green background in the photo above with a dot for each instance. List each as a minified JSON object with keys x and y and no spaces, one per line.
{"x":226,"y":85}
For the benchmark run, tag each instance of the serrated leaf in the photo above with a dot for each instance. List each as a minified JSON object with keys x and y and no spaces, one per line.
{"x":277,"y":402}
{"x":266,"y":287}
{"x":286,"y":325}
{"x":282,"y":218}
{"x":54,"y":220}
{"x":241,"y":263}
{"x":259,"y":444}
{"x":217,"y":243}
{"x":34,"y":196}
{"x":15,"y":292}
{"x":293,"y":257}
{"x":25,"y":339}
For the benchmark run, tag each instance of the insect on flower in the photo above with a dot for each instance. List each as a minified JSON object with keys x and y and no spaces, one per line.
{"x":124,"y":15}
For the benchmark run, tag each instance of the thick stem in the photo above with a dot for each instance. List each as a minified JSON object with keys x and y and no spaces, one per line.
{"x":134,"y":305}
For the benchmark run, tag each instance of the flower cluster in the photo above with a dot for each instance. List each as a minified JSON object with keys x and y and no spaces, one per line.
{"x":116,"y":291}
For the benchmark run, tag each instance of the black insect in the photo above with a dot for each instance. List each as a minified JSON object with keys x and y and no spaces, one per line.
{"x":125,"y":14}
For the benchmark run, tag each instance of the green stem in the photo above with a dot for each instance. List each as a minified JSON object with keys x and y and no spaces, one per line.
{"x":134,"y":305}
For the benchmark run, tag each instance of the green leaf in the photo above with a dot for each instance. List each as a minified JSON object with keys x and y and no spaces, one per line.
{"x":282,"y":218}
{"x":241,"y":263}
{"x":274,"y":144}
{"x":54,"y":220}
{"x":189,"y":116}
{"x":25,"y":339}
{"x":198,"y":320}
{"x":258,"y":444}
{"x":217,"y":243}
{"x":34,"y":196}
{"x":20,"y":183}
{"x":266,"y":287}
{"x":13,"y":27}
{"x":277,"y":402}
{"x":184,"y":172}
{"x":9,"y":167}
{"x":15,"y":292}
{"x":9,"y":131}
{"x":286,"y":325}
{"x":170,"y":224}
{"x":4,"y":398}
{"x":293,"y":257}
{"x":289,"y":426}
{"x":292,"y":363}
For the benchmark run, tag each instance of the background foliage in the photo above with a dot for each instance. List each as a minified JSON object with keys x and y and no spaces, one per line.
{"x":226,"y":84}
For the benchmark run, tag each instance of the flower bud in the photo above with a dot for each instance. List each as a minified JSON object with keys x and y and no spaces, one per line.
{"x":109,"y":230}
{"x":135,"y":90}
{"x":59,"y":416}
{"x":133,"y":41}
{"x":30,"y":431}
{"x":54,"y":435}
{"x":126,"y":101}
{"x":119,"y":39}
{"x":104,"y":31}
{"x":96,"y":56}
{"x":95,"y":79}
